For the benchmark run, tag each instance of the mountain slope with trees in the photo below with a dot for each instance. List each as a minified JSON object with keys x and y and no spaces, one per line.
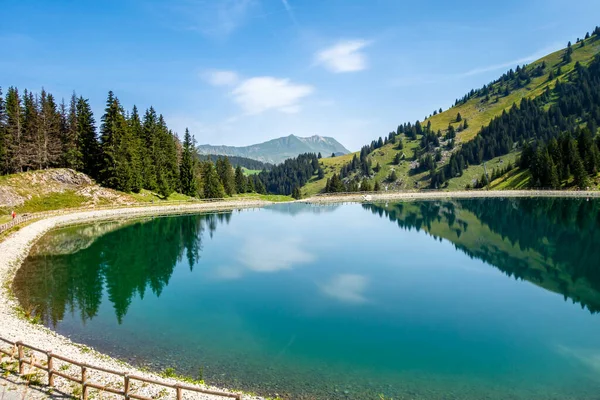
{"x":413,"y":153}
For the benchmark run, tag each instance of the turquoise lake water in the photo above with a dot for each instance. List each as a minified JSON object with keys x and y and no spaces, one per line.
{"x":474,"y":299}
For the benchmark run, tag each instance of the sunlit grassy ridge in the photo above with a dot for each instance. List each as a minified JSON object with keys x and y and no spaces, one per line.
{"x":478,"y":113}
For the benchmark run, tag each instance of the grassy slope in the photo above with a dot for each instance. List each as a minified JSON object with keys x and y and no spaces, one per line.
{"x":249,"y":172}
{"x":477,"y":112}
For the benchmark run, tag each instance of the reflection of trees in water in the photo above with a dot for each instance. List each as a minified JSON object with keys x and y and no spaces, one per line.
{"x":549,"y":241}
{"x":124,"y":262}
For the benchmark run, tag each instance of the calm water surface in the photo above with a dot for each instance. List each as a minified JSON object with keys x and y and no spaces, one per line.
{"x":456,"y":299}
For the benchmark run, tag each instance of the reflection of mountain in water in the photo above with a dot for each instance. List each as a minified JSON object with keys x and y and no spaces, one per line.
{"x":53,"y":280}
{"x":553,"y":243}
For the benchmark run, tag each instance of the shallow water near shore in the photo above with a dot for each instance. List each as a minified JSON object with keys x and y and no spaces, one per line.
{"x":443,"y":299}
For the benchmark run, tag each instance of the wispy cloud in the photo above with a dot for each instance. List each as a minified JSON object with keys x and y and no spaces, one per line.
{"x":512,"y":64}
{"x":217,"y":19}
{"x":290,"y":11}
{"x":345,"y":56}
{"x":221,"y":77}
{"x":348,"y":288}
{"x":264,"y":93}
{"x":416,"y":80}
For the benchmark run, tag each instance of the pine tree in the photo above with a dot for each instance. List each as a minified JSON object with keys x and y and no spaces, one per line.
{"x":167,"y":168}
{"x":150,"y":148}
{"x":4,"y":138}
{"x":250,"y":185}
{"x":49,"y":147}
{"x":187,"y":169}
{"x":458,"y":117}
{"x":296,"y":194}
{"x":365,"y":186}
{"x":213,"y":188}
{"x":376,"y":187}
{"x":136,"y":149}
{"x":225,"y":172}
{"x":580,"y":176}
{"x":320,"y":173}
{"x":117,"y":169}
{"x":87,"y":140}
{"x":240,"y":180}
{"x":28,"y":146}
{"x":71,"y":151}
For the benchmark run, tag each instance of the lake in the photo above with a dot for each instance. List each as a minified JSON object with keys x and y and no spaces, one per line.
{"x":445,"y":299}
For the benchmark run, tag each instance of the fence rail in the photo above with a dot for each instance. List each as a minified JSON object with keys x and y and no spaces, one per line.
{"x":17,"y":353}
{"x":30,"y":216}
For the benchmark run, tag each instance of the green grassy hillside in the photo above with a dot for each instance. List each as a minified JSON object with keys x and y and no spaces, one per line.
{"x":478,"y":112}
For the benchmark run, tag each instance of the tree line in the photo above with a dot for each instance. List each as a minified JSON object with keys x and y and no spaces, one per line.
{"x":129,"y":153}
{"x":236,"y":161}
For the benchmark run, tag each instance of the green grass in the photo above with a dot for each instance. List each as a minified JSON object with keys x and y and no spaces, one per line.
{"x":515,"y":179}
{"x":266,"y":197}
{"x":52,"y":201}
{"x":249,"y":172}
{"x":474,"y":172}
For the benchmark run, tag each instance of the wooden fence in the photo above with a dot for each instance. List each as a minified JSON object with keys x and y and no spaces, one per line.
{"x":17,"y":353}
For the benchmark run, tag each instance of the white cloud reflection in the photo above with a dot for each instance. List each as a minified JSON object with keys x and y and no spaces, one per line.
{"x":264,"y":255}
{"x":348,"y":288}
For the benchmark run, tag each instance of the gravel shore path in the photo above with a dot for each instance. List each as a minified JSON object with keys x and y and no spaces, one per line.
{"x":434,"y":194}
{"x":12,"y":327}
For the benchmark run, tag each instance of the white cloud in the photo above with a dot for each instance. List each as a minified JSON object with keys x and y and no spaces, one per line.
{"x":260,"y":94}
{"x":345,"y":56}
{"x":221,"y":77}
{"x":348,"y":288}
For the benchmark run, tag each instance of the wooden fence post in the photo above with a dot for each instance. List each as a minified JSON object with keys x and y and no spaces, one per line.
{"x":20,"y":354}
{"x":178,"y":390}
{"x":84,"y":382}
{"x":126,"y":387}
{"x":50,"y":369}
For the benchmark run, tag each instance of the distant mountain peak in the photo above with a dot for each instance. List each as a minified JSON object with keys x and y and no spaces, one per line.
{"x":277,"y":150}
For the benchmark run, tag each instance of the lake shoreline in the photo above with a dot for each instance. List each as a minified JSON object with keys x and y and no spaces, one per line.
{"x":432,"y":195}
{"x":16,"y":246}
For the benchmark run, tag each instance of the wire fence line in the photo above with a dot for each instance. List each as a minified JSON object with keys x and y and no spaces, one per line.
{"x":45,"y":363}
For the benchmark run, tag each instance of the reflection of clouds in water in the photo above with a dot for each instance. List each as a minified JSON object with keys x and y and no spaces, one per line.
{"x":227,"y":272}
{"x":259,"y":254}
{"x":348,"y":288}
{"x":588,"y":357}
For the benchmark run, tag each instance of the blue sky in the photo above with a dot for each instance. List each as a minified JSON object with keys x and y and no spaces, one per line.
{"x":239,"y":72}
